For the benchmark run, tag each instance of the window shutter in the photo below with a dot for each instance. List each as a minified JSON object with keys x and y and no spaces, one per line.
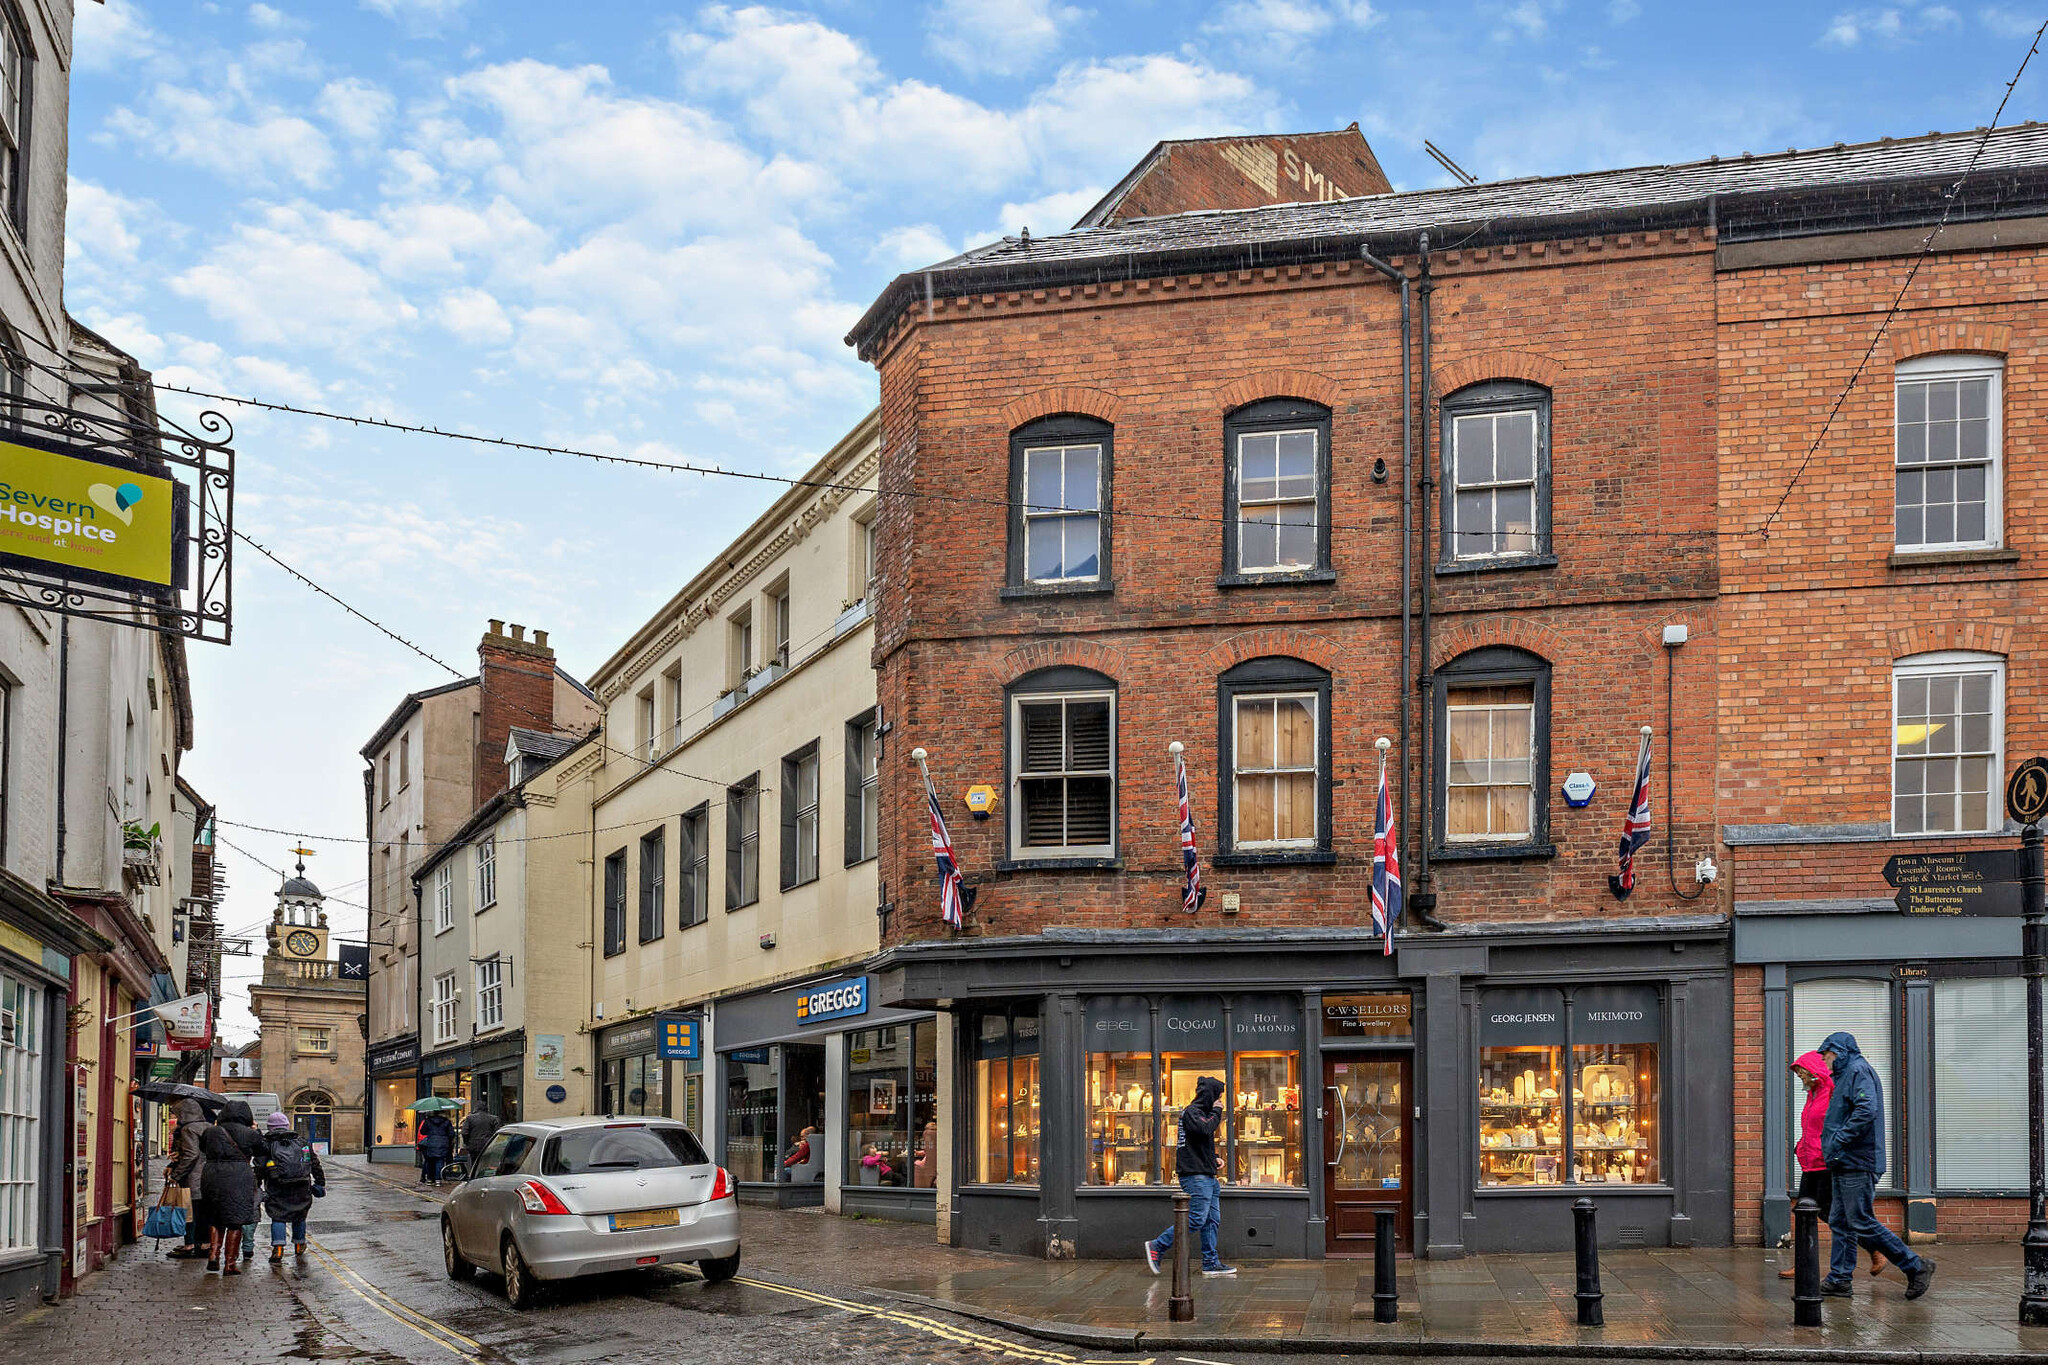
{"x":1980,"y":1084}
{"x":790,"y":778}
{"x":856,"y":747}
{"x":733,"y":816}
{"x":1862,"y":1007}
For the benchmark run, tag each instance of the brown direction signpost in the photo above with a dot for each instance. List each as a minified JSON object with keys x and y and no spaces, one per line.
{"x":1985,"y":883}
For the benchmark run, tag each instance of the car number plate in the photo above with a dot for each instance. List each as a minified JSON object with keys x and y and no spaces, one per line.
{"x":645,"y":1218}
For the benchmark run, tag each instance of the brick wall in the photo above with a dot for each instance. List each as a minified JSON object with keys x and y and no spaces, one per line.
{"x":1621,"y":330}
{"x":1243,"y":173}
{"x":1748,"y":1090}
{"x":518,"y":689}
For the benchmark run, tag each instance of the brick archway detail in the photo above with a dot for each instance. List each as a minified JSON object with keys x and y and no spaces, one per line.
{"x":1978,"y":637}
{"x":1269,"y":642}
{"x":1279,"y":384}
{"x":1064,"y":651}
{"x":1523,"y":365}
{"x":1533,"y":636}
{"x":1934,"y":338}
{"x":1088,"y":402}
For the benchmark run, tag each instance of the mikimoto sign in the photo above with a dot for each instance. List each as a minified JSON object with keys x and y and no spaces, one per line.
{"x":86,"y":518}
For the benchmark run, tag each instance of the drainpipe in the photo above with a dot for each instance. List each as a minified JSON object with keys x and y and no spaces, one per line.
{"x":1400,"y":277}
{"x":1423,"y":902}
{"x":63,"y":730}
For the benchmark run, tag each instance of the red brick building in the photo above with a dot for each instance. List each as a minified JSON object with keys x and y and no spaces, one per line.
{"x":1156,"y":482}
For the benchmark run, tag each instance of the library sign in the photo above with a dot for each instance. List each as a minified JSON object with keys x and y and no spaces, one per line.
{"x":91,"y":519}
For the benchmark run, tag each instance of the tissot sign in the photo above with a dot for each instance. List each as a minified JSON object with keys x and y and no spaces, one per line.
{"x":95,"y":519}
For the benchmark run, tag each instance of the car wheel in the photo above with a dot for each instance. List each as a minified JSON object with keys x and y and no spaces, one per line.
{"x":521,"y":1289}
{"x":721,"y":1268}
{"x":458,"y":1269}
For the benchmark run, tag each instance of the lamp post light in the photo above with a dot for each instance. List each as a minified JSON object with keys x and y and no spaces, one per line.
{"x":2026,"y":800}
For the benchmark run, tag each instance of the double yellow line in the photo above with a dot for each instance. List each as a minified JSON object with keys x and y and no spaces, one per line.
{"x":917,"y":1322}
{"x":445,"y":1337}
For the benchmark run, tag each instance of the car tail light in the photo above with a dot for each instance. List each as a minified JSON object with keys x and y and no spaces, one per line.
{"x":722,"y":1186}
{"x":538,"y":1198}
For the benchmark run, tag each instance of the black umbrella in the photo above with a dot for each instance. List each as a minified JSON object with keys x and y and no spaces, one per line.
{"x":166,"y":1092}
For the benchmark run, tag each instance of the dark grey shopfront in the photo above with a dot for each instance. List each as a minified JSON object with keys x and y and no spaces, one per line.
{"x":1474,"y":1083}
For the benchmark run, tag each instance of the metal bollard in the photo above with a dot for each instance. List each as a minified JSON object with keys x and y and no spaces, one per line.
{"x":1386,"y":1292}
{"x":1806,"y":1264}
{"x":1586,"y":1246}
{"x":1181,"y":1307}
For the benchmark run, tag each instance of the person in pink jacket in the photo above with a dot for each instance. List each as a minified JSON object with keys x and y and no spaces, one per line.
{"x":1819,"y":1079}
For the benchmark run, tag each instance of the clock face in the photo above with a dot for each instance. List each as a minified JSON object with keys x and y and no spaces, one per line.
{"x":300,"y":943}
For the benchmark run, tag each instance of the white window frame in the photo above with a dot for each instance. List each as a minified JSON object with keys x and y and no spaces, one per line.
{"x":650,"y":725}
{"x":486,"y":873}
{"x":1489,"y":837}
{"x":1534,"y":483}
{"x":1958,"y":366}
{"x":314,"y":1040}
{"x":1238,"y":771}
{"x":441,"y":1008}
{"x":1314,"y":500}
{"x":1951,"y":663}
{"x":1021,"y":851}
{"x":21,"y":1094}
{"x":1034,"y":514}
{"x":444,"y":898}
{"x":490,"y":993}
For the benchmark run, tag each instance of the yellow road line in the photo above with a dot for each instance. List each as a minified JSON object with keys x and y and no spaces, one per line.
{"x":442,"y":1336}
{"x":930,"y":1326}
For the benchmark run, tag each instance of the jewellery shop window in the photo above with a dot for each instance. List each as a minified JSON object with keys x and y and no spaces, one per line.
{"x":1569,"y":1087}
{"x":1005,"y":1104}
{"x":1122,"y":1116}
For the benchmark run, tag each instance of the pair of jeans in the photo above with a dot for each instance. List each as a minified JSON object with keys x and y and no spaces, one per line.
{"x":431,"y":1168}
{"x":1205,"y":1218}
{"x":1852,"y":1220}
{"x":298,"y":1226}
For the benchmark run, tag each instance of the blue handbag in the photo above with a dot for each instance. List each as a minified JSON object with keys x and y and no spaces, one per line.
{"x":165,"y":1220}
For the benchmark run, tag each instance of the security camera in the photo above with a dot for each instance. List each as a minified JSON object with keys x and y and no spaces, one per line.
{"x":1705,"y":872}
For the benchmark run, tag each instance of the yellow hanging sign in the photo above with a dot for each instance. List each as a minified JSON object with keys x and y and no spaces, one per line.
{"x":85,"y":516}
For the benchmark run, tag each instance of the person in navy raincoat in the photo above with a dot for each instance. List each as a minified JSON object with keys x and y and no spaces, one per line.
{"x":1852,"y":1144}
{"x":436,"y":1142}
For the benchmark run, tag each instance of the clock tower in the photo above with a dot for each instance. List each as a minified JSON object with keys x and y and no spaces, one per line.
{"x":313,"y":1021}
{"x":298,"y":926}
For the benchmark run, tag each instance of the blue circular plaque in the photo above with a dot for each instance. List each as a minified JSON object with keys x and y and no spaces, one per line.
{"x":557,"y":1093}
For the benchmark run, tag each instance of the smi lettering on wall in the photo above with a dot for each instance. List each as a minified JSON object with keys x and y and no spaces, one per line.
{"x":1266,"y":166}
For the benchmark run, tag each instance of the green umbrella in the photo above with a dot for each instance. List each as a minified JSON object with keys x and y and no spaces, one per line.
{"x":434,"y":1103}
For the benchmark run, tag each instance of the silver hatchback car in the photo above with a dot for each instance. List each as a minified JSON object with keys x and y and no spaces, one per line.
{"x":556,"y":1199}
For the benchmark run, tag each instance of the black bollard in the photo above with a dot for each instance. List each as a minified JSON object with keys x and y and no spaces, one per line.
{"x":1586,"y":1245}
{"x":1806,"y":1264}
{"x":1181,"y":1307}
{"x":1386,"y":1292}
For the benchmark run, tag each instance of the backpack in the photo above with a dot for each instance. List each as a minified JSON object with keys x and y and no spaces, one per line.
{"x":288,"y":1165}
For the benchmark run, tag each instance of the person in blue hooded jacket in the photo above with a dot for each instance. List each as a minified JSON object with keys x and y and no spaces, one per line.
{"x":1852,"y":1144}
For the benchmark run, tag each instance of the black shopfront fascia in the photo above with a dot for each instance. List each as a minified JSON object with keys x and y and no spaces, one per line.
{"x":1053,"y":976}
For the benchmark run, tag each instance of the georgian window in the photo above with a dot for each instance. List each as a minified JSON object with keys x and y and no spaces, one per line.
{"x":444,"y":898}
{"x":1948,"y":448}
{"x":615,"y":903}
{"x":743,"y":843}
{"x":863,"y":788}
{"x":1948,"y":744}
{"x":487,"y":873}
{"x":1496,"y":486}
{"x":1274,"y":788}
{"x":1276,"y":492}
{"x":1493,"y":761}
{"x":1059,"y":503}
{"x":441,"y":1008}
{"x":800,"y":817}
{"x":17,"y":86}
{"x":653,"y":885}
{"x":490,"y":993}
{"x":693,"y":893}
{"x":1063,"y":766}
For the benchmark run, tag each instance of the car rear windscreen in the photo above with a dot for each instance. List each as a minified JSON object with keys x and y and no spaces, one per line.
{"x":634,"y":1148}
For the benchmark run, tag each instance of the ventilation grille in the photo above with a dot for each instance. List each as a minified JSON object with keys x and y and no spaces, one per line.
{"x":1632,"y":1237}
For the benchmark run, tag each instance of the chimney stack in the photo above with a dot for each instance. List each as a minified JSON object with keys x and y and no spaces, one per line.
{"x":518,"y":688}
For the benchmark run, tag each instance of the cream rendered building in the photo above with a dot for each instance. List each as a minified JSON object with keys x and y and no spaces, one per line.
{"x":735,"y":895}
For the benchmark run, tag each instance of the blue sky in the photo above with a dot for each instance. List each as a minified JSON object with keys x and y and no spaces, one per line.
{"x":649,"y":231}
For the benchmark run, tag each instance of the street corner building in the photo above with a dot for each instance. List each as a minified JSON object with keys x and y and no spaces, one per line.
{"x":1275,"y":483}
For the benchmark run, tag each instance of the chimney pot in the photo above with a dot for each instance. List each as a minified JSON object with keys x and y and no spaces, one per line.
{"x":518,"y":631}
{"x":497,"y":627}
{"x":540,"y":637}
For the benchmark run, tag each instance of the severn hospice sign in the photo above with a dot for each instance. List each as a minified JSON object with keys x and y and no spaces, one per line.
{"x":86,"y":518}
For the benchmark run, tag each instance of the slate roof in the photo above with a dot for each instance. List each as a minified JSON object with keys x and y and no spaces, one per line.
{"x":1762,"y":188}
{"x":539,"y":743}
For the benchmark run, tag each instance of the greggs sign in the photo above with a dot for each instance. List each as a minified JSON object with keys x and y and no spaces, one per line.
{"x":86,"y":518}
{"x":839,"y":1000}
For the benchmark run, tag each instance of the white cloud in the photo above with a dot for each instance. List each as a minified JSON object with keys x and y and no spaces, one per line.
{"x":355,"y":108}
{"x":1283,"y":30}
{"x":223,"y":133}
{"x":101,"y":225}
{"x":1045,"y":215}
{"x":2009,"y":23}
{"x":283,"y":281}
{"x":272,"y":20}
{"x":108,"y":36}
{"x":1892,"y":24}
{"x":1527,"y":16}
{"x":419,"y":16}
{"x":912,"y":245}
{"x":1621,"y":11}
{"x":997,"y":37}
{"x":473,"y":316}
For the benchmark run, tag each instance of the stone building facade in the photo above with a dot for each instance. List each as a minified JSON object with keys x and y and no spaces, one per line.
{"x":312,"y":1023}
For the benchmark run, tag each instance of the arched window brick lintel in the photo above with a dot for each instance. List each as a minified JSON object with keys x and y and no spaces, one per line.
{"x":1253,"y":388}
{"x":1977,"y":637}
{"x":1526,"y":366}
{"x":1070,"y":398}
{"x":1005,"y":670}
{"x":1959,"y":337}
{"x":1273,"y":642}
{"x":1531,"y":637}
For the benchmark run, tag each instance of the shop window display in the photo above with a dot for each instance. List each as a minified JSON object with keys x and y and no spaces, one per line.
{"x":753,"y":1105}
{"x":1006,"y":1100}
{"x":1266,"y":1106}
{"x":1570,"y":1087}
{"x":1521,"y":1116}
{"x":1614,"y":1114}
{"x":1122,"y":1119}
{"x":878,"y":1132}
{"x":395,"y":1120}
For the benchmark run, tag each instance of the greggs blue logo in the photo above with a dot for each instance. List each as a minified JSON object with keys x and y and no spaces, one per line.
{"x":839,"y":1000}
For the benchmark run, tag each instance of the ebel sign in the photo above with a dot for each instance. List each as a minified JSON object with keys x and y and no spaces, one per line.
{"x":835,"y":1000}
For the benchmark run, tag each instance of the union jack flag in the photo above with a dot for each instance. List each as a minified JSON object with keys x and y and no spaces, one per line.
{"x":1387,"y":896}
{"x":1635,"y":827}
{"x":1192,"y":893}
{"x":955,"y":896}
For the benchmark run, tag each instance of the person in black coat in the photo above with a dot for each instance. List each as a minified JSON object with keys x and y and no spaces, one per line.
{"x":228,"y":1187}
{"x":292,"y":1180}
{"x":435,"y":1143}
